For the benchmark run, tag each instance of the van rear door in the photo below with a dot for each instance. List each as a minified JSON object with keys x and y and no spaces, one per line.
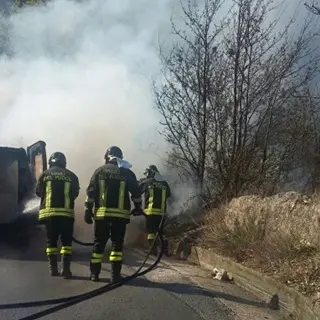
{"x":37,"y":156}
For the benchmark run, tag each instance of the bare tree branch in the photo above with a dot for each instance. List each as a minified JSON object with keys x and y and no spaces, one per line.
{"x":227,"y":92}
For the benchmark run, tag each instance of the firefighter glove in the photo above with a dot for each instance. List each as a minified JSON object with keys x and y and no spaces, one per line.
{"x":88,"y":217}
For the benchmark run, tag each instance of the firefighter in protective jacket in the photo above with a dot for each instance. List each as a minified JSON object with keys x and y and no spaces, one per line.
{"x":58,"y":188}
{"x":108,"y":192}
{"x":156,"y":192}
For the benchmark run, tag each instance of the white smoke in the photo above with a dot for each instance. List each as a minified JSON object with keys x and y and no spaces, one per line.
{"x":78,"y":76}
{"x":79,"y":79}
{"x":31,"y":206}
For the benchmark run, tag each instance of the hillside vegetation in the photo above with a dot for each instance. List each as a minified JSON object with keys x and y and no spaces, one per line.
{"x":277,"y":235}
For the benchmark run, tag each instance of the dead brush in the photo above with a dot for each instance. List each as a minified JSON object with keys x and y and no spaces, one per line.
{"x":281,"y":247}
{"x":240,"y":240}
{"x":293,"y":261}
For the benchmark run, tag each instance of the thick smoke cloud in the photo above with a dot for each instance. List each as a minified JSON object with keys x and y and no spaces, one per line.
{"x":79,"y":78}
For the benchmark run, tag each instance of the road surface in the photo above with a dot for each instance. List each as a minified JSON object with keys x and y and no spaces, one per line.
{"x":168,"y":295}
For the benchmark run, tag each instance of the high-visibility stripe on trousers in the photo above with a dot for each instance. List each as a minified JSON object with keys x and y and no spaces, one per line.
{"x":115,"y":256}
{"x":51,"y":250}
{"x":66,"y":250}
{"x":151,"y":236}
{"x":96,"y":257}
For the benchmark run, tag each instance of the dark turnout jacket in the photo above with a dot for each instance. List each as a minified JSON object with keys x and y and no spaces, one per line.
{"x":156,"y":194}
{"x":109,"y":191}
{"x":58,"y":188}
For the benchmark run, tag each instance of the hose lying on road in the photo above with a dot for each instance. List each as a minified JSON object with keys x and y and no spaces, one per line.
{"x":72,"y":300}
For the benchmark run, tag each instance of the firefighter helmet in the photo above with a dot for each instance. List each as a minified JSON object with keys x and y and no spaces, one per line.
{"x":113,"y":151}
{"x":151,"y":171}
{"x":58,"y":159}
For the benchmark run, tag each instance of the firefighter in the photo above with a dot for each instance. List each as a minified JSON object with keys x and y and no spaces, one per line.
{"x":156,"y":192}
{"x":108,"y":192}
{"x":58,"y":188}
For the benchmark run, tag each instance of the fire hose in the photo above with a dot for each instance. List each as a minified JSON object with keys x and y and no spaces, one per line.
{"x":84,"y":244}
{"x":62,"y":303}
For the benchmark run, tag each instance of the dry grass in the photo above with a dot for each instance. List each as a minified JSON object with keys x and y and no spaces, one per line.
{"x":278,"y":235}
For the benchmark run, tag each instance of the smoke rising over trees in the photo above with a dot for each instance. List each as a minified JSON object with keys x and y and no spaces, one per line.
{"x":239,"y":100}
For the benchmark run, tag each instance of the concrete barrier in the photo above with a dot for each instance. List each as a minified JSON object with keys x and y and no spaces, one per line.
{"x":264,"y":287}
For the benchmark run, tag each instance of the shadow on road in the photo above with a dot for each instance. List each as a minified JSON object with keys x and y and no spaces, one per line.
{"x":190,"y":289}
{"x":82,"y":278}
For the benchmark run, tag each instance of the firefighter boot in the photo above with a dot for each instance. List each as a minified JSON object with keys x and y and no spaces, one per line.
{"x":154,"y":249}
{"x":53,"y":265}
{"x":116,"y":271}
{"x":66,"y":262}
{"x":95,"y":269}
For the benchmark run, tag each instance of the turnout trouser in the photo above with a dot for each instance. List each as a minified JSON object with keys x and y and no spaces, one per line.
{"x":152,"y":226}
{"x":59,"y":227}
{"x":103,"y":230}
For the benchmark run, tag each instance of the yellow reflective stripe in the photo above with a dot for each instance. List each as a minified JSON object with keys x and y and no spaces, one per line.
{"x":157,"y":212}
{"x":45,"y":213}
{"x":67,"y":187}
{"x":116,"y":210}
{"x":113,"y":215}
{"x":163,"y":199}
{"x":115,"y":256}
{"x":52,"y":250}
{"x":53,"y":210}
{"x":48,"y":194}
{"x":66,"y":250}
{"x":103,"y":193}
{"x":58,"y":214}
{"x":100,"y":213}
{"x":121,"y":194}
{"x":97,"y":255}
{"x":115,"y":253}
{"x":151,"y":236}
{"x":151,"y":196}
{"x":154,"y":213}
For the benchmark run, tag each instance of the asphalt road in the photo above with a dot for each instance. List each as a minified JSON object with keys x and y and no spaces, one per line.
{"x":24,"y":277}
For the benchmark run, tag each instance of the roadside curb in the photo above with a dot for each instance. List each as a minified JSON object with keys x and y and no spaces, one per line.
{"x":264,"y":287}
